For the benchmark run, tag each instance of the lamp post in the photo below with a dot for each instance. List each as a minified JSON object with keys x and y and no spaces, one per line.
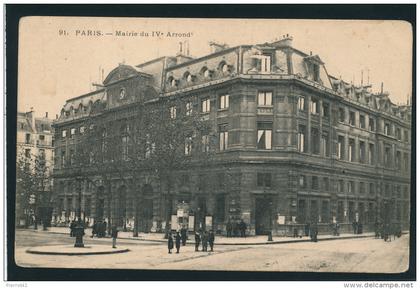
{"x":79,"y":230}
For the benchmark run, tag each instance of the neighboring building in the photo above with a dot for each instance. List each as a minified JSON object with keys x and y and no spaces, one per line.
{"x":295,"y":145}
{"x":35,"y":140}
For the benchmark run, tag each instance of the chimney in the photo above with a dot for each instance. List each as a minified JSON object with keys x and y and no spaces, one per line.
{"x":216,"y":47}
{"x":286,"y":41}
{"x":56,"y":116}
{"x":31,"y":117}
{"x":46,"y":114}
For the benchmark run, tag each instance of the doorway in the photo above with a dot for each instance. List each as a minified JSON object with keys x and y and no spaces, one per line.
{"x":263,"y":215}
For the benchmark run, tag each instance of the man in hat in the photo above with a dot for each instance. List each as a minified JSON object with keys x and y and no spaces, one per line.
{"x":170,"y":243}
{"x":183,"y":236}
{"x":114,"y":235}
{"x":197,"y":240}
{"x":204,"y":240}
{"x":211,"y":240}
{"x":177,"y":242}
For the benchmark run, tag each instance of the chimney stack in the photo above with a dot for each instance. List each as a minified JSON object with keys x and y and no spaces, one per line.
{"x":286,"y":41}
{"x":46,"y":114}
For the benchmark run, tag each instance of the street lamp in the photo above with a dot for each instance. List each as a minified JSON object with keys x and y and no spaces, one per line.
{"x":79,"y":230}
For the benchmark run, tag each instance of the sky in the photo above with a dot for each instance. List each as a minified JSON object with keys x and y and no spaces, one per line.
{"x":59,"y":58}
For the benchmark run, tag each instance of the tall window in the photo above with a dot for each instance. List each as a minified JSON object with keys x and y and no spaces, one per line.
{"x":371,"y":124}
{"x":27,"y":153}
{"x":351,"y":150}
{"x":205,"y":143}
{"x":188,"y":108}
{"x":264,"y":135}
{"x":406,"y":135}
{"x":172,"y":112}
{"x":72,"y":132}
{"x":406,"y":162}
{"x":63,"y":158}
{"x":387,"y":129}
{"x":362,"y":121}
{"x":352,"y":118}
{"x":398,"y":160}
{"x":302,"y":182}
{"x":362,"y":151}
{"x":341,"y":114}
{"x":223,"y":137}
{"x":315,"y":140}
{"x":325,"y":144}
{"x":265,"y":98}
{"x":301,"y":139}
{"x":71,"y":157}
{"x":224,"y":101}
{"x":188,"y":146}
{"x":350,"y":186}
{"x":371,"y":154}
{"x":325,"y":109}
{"x":315,"y":184}
{"x":387,"y":157}
{"x":340,"y":147}
{"x":301,"y":103}
{"x":326,"y":184}
{"x":41,"y":153}
{"x":28,"y":138}
{"x":64,"y":133}
{"x":205,"y":105}
{"x":341,"y":186}
{"x":314,"y":106}
{"x":124,"y":144}
{"x":264,"y":180}
{"x":398,"y":133}
{"x":265,"y":63}
{"x":362,"y":188}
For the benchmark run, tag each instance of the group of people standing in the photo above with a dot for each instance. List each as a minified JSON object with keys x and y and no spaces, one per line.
{"x":384,"y":231}
{"x":236,"y":229}
{"x":99,"y":229}
{"x":203,"y":237}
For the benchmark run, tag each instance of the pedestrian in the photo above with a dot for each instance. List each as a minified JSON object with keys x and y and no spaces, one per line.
{"x":229,"y":229}
{"x":184,"y":236}
{"x":170,"y":243}
{"x":177,"y":242}
{"x":72,"y":226}
{"x":295,"y":232}
{"x":211,"y":240}
{"x":104,"y":224}
{"x":197,"y":240}
{"x":94,"y":229}
{"x":204,"y":240}
{"x":236,"y":229}
{"x":354,"y":224}
{"x":242,"y":227}
{"x":307,"y":226}
{"x":114,"y":235}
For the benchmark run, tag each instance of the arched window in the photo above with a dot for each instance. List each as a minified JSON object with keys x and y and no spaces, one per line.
{"x":122,"y":93}
{"x":223,"y":67}
{"x":205,"y":72}
{"x":172,"y":81}
{"x":188,"y":77}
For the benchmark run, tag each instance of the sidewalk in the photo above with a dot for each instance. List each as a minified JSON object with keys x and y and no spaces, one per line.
{"x":220,"y":240}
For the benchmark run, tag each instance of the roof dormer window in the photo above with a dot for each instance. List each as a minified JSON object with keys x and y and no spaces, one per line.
{"x":122,"y":93}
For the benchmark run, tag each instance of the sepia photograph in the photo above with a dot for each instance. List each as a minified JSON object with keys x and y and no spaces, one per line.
{"x":214,"y":144}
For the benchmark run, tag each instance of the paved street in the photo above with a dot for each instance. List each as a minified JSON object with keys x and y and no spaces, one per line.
{"x":351,"y":255}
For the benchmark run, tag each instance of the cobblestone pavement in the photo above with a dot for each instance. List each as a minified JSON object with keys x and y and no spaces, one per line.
{"x":350,"y":255}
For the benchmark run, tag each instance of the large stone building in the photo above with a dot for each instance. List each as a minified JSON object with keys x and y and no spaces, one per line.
{"x":295,"y":144}
{"x":35,"y":141}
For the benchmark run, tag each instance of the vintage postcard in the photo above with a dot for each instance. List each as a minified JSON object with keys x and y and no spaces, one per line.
{"x":214,"y":144}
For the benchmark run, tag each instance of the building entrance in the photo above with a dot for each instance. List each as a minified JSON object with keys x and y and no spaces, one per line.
{"x":263,"y":215}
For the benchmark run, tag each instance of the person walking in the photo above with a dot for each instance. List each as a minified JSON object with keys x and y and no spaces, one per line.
{"x":114,"y":235}
{"x":184,"y":236}
{"x":197,"y":241}
{"x":177,"y":242}
{"x":211,"y":240}
{"x":204,"y":240}
{"x":170,"y":243}
{"x":94,"y":229}
{"x":72,"y":226}
{"x":242,"y":228}
{"x":229,"y":229}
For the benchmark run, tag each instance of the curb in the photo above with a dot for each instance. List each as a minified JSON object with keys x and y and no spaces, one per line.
{"x":254,"y":243}
{"x":32,"y":251}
